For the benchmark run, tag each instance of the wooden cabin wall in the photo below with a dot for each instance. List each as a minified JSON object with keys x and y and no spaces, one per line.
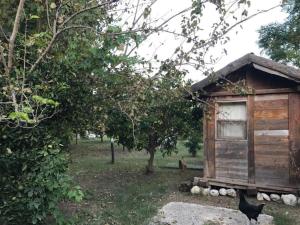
{"x":271,"y":144}
{"x":261,"y":80}
{"x":271,"y":154}
{"x":294,"y":137}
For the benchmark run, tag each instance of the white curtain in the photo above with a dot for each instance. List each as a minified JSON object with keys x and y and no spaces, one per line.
{"x":232,"y":111}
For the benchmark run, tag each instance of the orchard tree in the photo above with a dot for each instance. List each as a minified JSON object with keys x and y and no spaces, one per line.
{"x":194,"y":134}
{"x":163,"y":115}
{"x":281,"y":41}
{"x":158,"y":114}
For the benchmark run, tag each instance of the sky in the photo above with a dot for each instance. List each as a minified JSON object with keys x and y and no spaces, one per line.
{"x":242,"y":40}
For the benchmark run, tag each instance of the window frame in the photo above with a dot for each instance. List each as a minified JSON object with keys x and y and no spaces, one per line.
{"x":245,"y":121}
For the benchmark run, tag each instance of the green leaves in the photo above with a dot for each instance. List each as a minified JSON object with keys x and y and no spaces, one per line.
{"x":75,"y":194}
{"x":38,"y":39}
{"x":281,"y":41}
{"x":20,"y":116}
{"x":147,"y":12}
{"x":45,"y":101}
{"x":33,"y":183}
{"x":32,"y":17}
{"x":52,"y":5}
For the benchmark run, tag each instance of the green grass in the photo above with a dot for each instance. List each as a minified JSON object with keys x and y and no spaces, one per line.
{"x":121,"y":193}
{"x":95,"y":147}
{"x":283,"y":219}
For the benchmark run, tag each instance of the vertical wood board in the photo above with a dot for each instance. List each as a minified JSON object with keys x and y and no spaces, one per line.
{"x":251,"y":153}
{"x":294,"y":138}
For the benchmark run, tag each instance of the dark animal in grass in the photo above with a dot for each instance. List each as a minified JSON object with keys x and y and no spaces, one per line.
{"x":251,"y":211}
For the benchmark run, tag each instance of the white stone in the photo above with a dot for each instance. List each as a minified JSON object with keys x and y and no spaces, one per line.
{"x":231,"y":192}
{"x":266,"y":197}
{"x":195,"y":190}
{"x":206,"y":191}
{"x":214,"y":193}
{"x":289,"y":199}
{"x":222,"y":191}
{"x":259,"y":196}
{"x":275,"y":197}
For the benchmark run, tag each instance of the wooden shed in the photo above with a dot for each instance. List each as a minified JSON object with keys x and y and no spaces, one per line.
{"x":252,"y":125}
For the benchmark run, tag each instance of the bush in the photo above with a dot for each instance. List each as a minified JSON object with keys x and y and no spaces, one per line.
{"x":33,"y":179}
{"x":193,"y":144}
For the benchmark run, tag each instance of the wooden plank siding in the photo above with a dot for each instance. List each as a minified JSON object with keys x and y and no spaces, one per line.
{"x":232,"y":159}
{"x":294,"y":138}
{"x":271,"y":144}
{"x":271,"y":124}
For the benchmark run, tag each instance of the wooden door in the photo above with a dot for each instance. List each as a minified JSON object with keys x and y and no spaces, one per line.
{"x":271,"y":146}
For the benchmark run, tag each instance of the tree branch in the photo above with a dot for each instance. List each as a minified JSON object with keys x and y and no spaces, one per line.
{"x":4,"y":35}
{"x":14,"y":35}
{"x":57,"y":33}
{"x":85,"y":10}
{"x":54,"y":37}
{"x":48,"y":18}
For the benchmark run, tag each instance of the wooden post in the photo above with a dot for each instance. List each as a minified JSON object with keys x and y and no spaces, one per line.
{"x":294,"y":138}
{"x":76,"y":138}
{"x":210,"y":144}
{"x":205,"y":149}
{"x":251,"y":158}
{"x":112,"y":151}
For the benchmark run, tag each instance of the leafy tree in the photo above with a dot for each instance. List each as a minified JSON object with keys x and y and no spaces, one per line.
{"x":159,"y":116}
{"x":44,"y":85}
{"x":194,"y":135}
{"x":281,"y":41}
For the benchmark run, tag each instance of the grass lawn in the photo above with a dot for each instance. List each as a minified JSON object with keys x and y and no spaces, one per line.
{"x":122,"y":194}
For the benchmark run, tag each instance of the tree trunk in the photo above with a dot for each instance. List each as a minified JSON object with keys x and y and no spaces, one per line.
{"x":101,"y":138}
{"x":112,"y":151}
{"x":76,"y":138}
{"x":150,"y":166}
{"x":194,"y":153}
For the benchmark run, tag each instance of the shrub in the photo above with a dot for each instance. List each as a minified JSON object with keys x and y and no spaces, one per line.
{"x":33,"y":179}
{"x":193,"y":144}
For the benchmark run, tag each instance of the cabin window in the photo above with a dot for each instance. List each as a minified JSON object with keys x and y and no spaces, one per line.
{"x":232,"y":120}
